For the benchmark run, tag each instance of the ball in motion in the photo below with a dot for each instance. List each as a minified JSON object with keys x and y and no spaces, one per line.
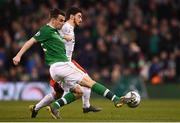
{"x":136,"y":99}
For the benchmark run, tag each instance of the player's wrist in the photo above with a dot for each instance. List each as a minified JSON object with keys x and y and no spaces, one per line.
{"x":19,"y":55}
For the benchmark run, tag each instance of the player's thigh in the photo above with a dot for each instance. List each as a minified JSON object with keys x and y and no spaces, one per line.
{"x":59,"y":70}
{"x":86,"y":80}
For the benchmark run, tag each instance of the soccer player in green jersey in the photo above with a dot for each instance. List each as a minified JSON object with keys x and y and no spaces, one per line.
{"x":67,"y":31}
{"x":60,"y":68}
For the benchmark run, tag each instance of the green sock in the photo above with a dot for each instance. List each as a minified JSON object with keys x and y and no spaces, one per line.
{"x":68,"y":98}
{"x":103,"y":91}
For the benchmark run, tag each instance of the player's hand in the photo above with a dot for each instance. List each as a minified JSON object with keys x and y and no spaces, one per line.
{"x":16,"y":60}
{"x":68,"y":37}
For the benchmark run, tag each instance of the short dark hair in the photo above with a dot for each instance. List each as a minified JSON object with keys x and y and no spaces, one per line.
{"x":72,"y":11}
{"x":55,"y":12}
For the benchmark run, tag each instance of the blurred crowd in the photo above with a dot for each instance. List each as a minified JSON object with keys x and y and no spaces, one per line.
{"x":117,"y":37}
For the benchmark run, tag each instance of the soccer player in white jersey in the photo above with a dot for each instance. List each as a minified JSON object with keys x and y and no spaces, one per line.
{"x":67,"y":32}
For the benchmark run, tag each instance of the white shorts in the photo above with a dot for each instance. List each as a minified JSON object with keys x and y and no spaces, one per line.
{"x":68,"y":73}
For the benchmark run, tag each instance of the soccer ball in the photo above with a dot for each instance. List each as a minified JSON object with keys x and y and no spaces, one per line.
{"x":136,"y":99}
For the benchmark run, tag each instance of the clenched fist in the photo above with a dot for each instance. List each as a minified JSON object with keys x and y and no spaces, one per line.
{"x":16,"y":60}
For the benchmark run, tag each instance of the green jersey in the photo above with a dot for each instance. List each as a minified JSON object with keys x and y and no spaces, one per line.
{"x":52,"y":44}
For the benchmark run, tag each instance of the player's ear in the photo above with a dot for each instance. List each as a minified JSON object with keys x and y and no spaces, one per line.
{"x":72,"y":17}
{"x":52,"y":19}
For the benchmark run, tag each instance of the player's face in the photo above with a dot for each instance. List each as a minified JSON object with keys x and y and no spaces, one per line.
{"x":59,"y":21}
{"x":78,"y":19}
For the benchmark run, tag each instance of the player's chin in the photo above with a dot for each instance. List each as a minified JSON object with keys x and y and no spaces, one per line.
{"x":78,"y":24}
{"x":59,"y":27}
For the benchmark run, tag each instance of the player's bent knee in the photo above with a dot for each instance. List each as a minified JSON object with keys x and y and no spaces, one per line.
{"x":78,"y":95}
{"x":77,"y":90}
{"x":87,"y":82}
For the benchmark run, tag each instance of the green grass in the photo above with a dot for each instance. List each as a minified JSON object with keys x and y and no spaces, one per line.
{"x":149,"y":110}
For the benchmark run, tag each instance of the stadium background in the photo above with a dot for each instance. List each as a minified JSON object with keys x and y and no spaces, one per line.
{"x":124,"y":44}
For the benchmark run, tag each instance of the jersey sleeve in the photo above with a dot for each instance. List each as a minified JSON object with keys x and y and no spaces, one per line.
{"x":39,"y":36}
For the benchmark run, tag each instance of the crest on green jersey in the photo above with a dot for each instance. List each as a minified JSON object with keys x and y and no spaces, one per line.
{"x":38,"y":33}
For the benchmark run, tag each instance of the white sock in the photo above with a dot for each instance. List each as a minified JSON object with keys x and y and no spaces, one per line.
{"x":86,"y":97}
{"x":49,"y":98}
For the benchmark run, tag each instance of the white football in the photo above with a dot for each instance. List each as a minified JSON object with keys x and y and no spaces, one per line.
{"x":136,"y":99}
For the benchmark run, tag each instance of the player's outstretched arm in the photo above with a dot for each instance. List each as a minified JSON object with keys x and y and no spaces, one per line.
{"x":24,"y":48}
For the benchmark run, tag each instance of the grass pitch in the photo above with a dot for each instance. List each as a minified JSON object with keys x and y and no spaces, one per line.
{"x":149,"y":110}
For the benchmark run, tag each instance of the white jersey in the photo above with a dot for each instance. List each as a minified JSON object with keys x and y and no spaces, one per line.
{"x":67,"y":29}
